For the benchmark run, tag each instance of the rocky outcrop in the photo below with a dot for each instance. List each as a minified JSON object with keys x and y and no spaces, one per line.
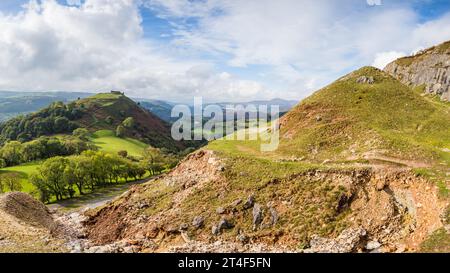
{"x":430,"y":68}
{"x":381,"y":208}
{"x":348,"y":241}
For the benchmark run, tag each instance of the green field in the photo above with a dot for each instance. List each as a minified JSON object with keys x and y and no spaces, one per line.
{"x":24,"y":171}
{"x":107,"y":141}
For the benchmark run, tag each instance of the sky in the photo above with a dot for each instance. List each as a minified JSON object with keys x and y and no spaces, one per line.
{"x":222,"y":50}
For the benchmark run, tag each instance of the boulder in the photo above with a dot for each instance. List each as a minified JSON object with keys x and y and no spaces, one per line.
{"x":198,"y":222}
{"x":220,"y":210}
{"x":222,"y":225}
{"x":250,"y":202}
{"x":257,"y":215}
{"x":273,"y":216}
{"x":372,"y":245}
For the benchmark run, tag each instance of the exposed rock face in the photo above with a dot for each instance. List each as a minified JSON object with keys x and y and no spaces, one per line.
{"x":385,"y":203}
{"x":349,"y":241}
{"x":365,"y":80}
{"x":430,"y":68}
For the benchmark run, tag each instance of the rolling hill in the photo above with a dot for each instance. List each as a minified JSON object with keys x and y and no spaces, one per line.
{"x":105,"y":111}
{"x":16,"y":103}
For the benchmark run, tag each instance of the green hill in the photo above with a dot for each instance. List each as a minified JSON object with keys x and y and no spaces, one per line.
{"x":104,"y":111}
{"x":350,"y":118}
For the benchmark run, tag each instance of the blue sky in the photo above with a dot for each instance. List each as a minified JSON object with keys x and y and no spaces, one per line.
{"x":221,"y":50}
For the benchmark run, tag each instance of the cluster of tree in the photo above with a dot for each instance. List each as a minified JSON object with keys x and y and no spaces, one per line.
{"x":10,"y":182}
{"x":61,"y":177}
{"x":157,"y":160}
{"x":55,"y":119}
{"x":15,"y":152}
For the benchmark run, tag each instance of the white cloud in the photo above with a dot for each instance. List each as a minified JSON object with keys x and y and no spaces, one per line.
{"x":96,"y":45}
{"x":384,"y":58}
{"x":99,"y":46}
{"x":307,"y":43}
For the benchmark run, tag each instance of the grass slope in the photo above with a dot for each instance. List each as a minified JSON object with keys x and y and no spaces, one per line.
{"x":107,"y":141}
{"x":385,"y":115}
{"x":347,"y":120}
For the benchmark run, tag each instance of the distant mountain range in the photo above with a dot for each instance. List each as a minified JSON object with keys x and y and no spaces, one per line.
{"x":14,"y":103}
{"x":163,"y":108}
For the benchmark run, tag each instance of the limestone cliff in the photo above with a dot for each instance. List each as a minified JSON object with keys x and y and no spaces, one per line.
{"x":430,"y":68}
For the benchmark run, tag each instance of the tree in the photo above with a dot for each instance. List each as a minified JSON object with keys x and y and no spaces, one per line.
{"x":12,"y":153}
{"x":11,"y":181}
{"x":61,"y":124}
{"x":81,"y":133}
{"x":2,"y":163}
{"x":128,"y":123}
{"x":51,"y":177}
{"x":155,"y":161}
{"x":39,"y":184}
{"x":120,"y":131}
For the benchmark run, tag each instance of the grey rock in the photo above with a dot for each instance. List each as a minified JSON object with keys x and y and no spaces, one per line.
{"x":183,"y":227}
{"x":257,"y":215}
{"x":225,"y":224}
{"x":365,"y":80}
{"x":215,"y":230}
{"x":273,"y":216}
{"x":220,"y":210}
{"x":236,"y":202}
{"x":250,"y":202}
{"x":348,"y":241}
{"x":130,"y":249}
{"x":244,"y":239}
{"x":222,"y":225}
{"x":103,"y":249}
{"x":372,"y":245}
{"x":198,"y":222}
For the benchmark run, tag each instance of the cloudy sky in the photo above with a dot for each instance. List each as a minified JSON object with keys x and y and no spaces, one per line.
{"x":223,"y":50}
